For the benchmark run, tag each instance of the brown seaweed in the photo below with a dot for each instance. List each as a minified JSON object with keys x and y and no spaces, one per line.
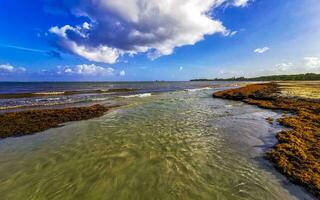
{"x":32,"y":121}
{"x":297,"y":153}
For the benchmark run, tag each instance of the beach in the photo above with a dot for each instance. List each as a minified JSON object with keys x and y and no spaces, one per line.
{"x":160,"y":100}
{"x":165,"y":140}
{"x":297,"y":153}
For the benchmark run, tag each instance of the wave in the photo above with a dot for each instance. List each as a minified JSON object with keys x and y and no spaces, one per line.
{"x":99,"y":99}
{"x":48,"y":99}
{"x":198,"y":89}
{"x":137,"y":95}
{"x":10,"y":107}
{"x":48,"y":93}
{"x":32,"y":105}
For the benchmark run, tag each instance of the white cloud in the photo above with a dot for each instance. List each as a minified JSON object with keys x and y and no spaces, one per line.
{"x":312,"y":62}
{"x":232,"y":33}
{"x":101,"y":53}
{"x":85,"y":69}
{"x":305,"y":65}
{"x":7,"y":68}
{"x":22,"y":69}
{"x":285,"y":66}
{"x":240,"y":3}
{"x":86,"y":25}
{"x":180,"y":68}
{"x":261,"y":50}
{"x":122,"y":73}
{"x":139,"y":26}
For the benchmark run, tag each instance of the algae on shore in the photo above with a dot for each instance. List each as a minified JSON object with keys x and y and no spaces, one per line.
{"x":32,"y":121}
{"x":297,"y":154}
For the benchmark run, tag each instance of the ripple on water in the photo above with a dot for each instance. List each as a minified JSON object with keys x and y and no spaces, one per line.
{"x":176,"y":146}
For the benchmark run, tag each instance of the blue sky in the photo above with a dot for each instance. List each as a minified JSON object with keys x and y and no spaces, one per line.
{"x":129,"y":40}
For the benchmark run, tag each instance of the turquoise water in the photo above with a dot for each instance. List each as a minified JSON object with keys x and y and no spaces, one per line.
{"x":173,"y":145}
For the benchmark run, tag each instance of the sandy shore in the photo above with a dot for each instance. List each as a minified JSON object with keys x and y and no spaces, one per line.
{"x":297,"y":154}
{"x":304,"y":89}
{"x":32,"y":121}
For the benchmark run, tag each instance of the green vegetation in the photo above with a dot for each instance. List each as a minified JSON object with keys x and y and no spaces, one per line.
{"x":295,"y":77}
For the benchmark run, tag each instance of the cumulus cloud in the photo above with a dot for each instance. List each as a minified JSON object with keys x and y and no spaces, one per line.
{"x":261,"y":50}
{"x":240,"y":3}
{"x":115,"y":28}
{"x":98,"y":54}
{"x":7,"y":68}
{"x":85,"y":69}
{"x":312,"y":62}
{"x":122,"y":73}
{"x":303,"y":65}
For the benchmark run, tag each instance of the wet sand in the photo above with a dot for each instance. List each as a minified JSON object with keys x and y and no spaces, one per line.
{"x":297,"y":154}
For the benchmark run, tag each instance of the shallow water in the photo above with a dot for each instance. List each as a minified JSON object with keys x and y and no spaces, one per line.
{"x":56,"y":88}
{"x":178,"y":145}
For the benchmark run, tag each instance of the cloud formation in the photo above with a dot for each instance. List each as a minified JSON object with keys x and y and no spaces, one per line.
{"x":285,"y":66}
{"x":304,"y":65}
{"x":312,"y":62}
{"x":86,"y":70}
{"x":261,"y":50}
{"x":7,"y":68}
{"x":122,"y":73}
{"x":115,"y":28}
{"x":240,"y":3}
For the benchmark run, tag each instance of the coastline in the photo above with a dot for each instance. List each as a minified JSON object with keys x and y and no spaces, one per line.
{"x":32,"y":121}
{"x":297,"y":153}
{"x":62,"y":93}
{"x":185,"y":134}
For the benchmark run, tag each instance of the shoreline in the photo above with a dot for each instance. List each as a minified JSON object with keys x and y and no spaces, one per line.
{"x":63,"y":93}
{"x":297,"y":153}
{"x":14,"y":124}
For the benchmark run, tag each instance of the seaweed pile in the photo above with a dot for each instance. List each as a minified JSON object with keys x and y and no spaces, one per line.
{"x":297,"y":153}
{"x":32,"y":121}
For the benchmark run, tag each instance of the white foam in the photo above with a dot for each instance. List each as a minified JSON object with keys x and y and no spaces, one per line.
{"x":9,"y":107}
{"x":137,"y":95}
{"x":198,"y":89}
{"x":99,"y":99}
{"x":48,"y":93}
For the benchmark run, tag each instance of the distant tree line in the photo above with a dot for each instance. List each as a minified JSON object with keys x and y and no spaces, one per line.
{"x":295,"y":77}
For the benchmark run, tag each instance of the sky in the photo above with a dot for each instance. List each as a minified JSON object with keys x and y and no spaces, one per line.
{"x":147,"y":40}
